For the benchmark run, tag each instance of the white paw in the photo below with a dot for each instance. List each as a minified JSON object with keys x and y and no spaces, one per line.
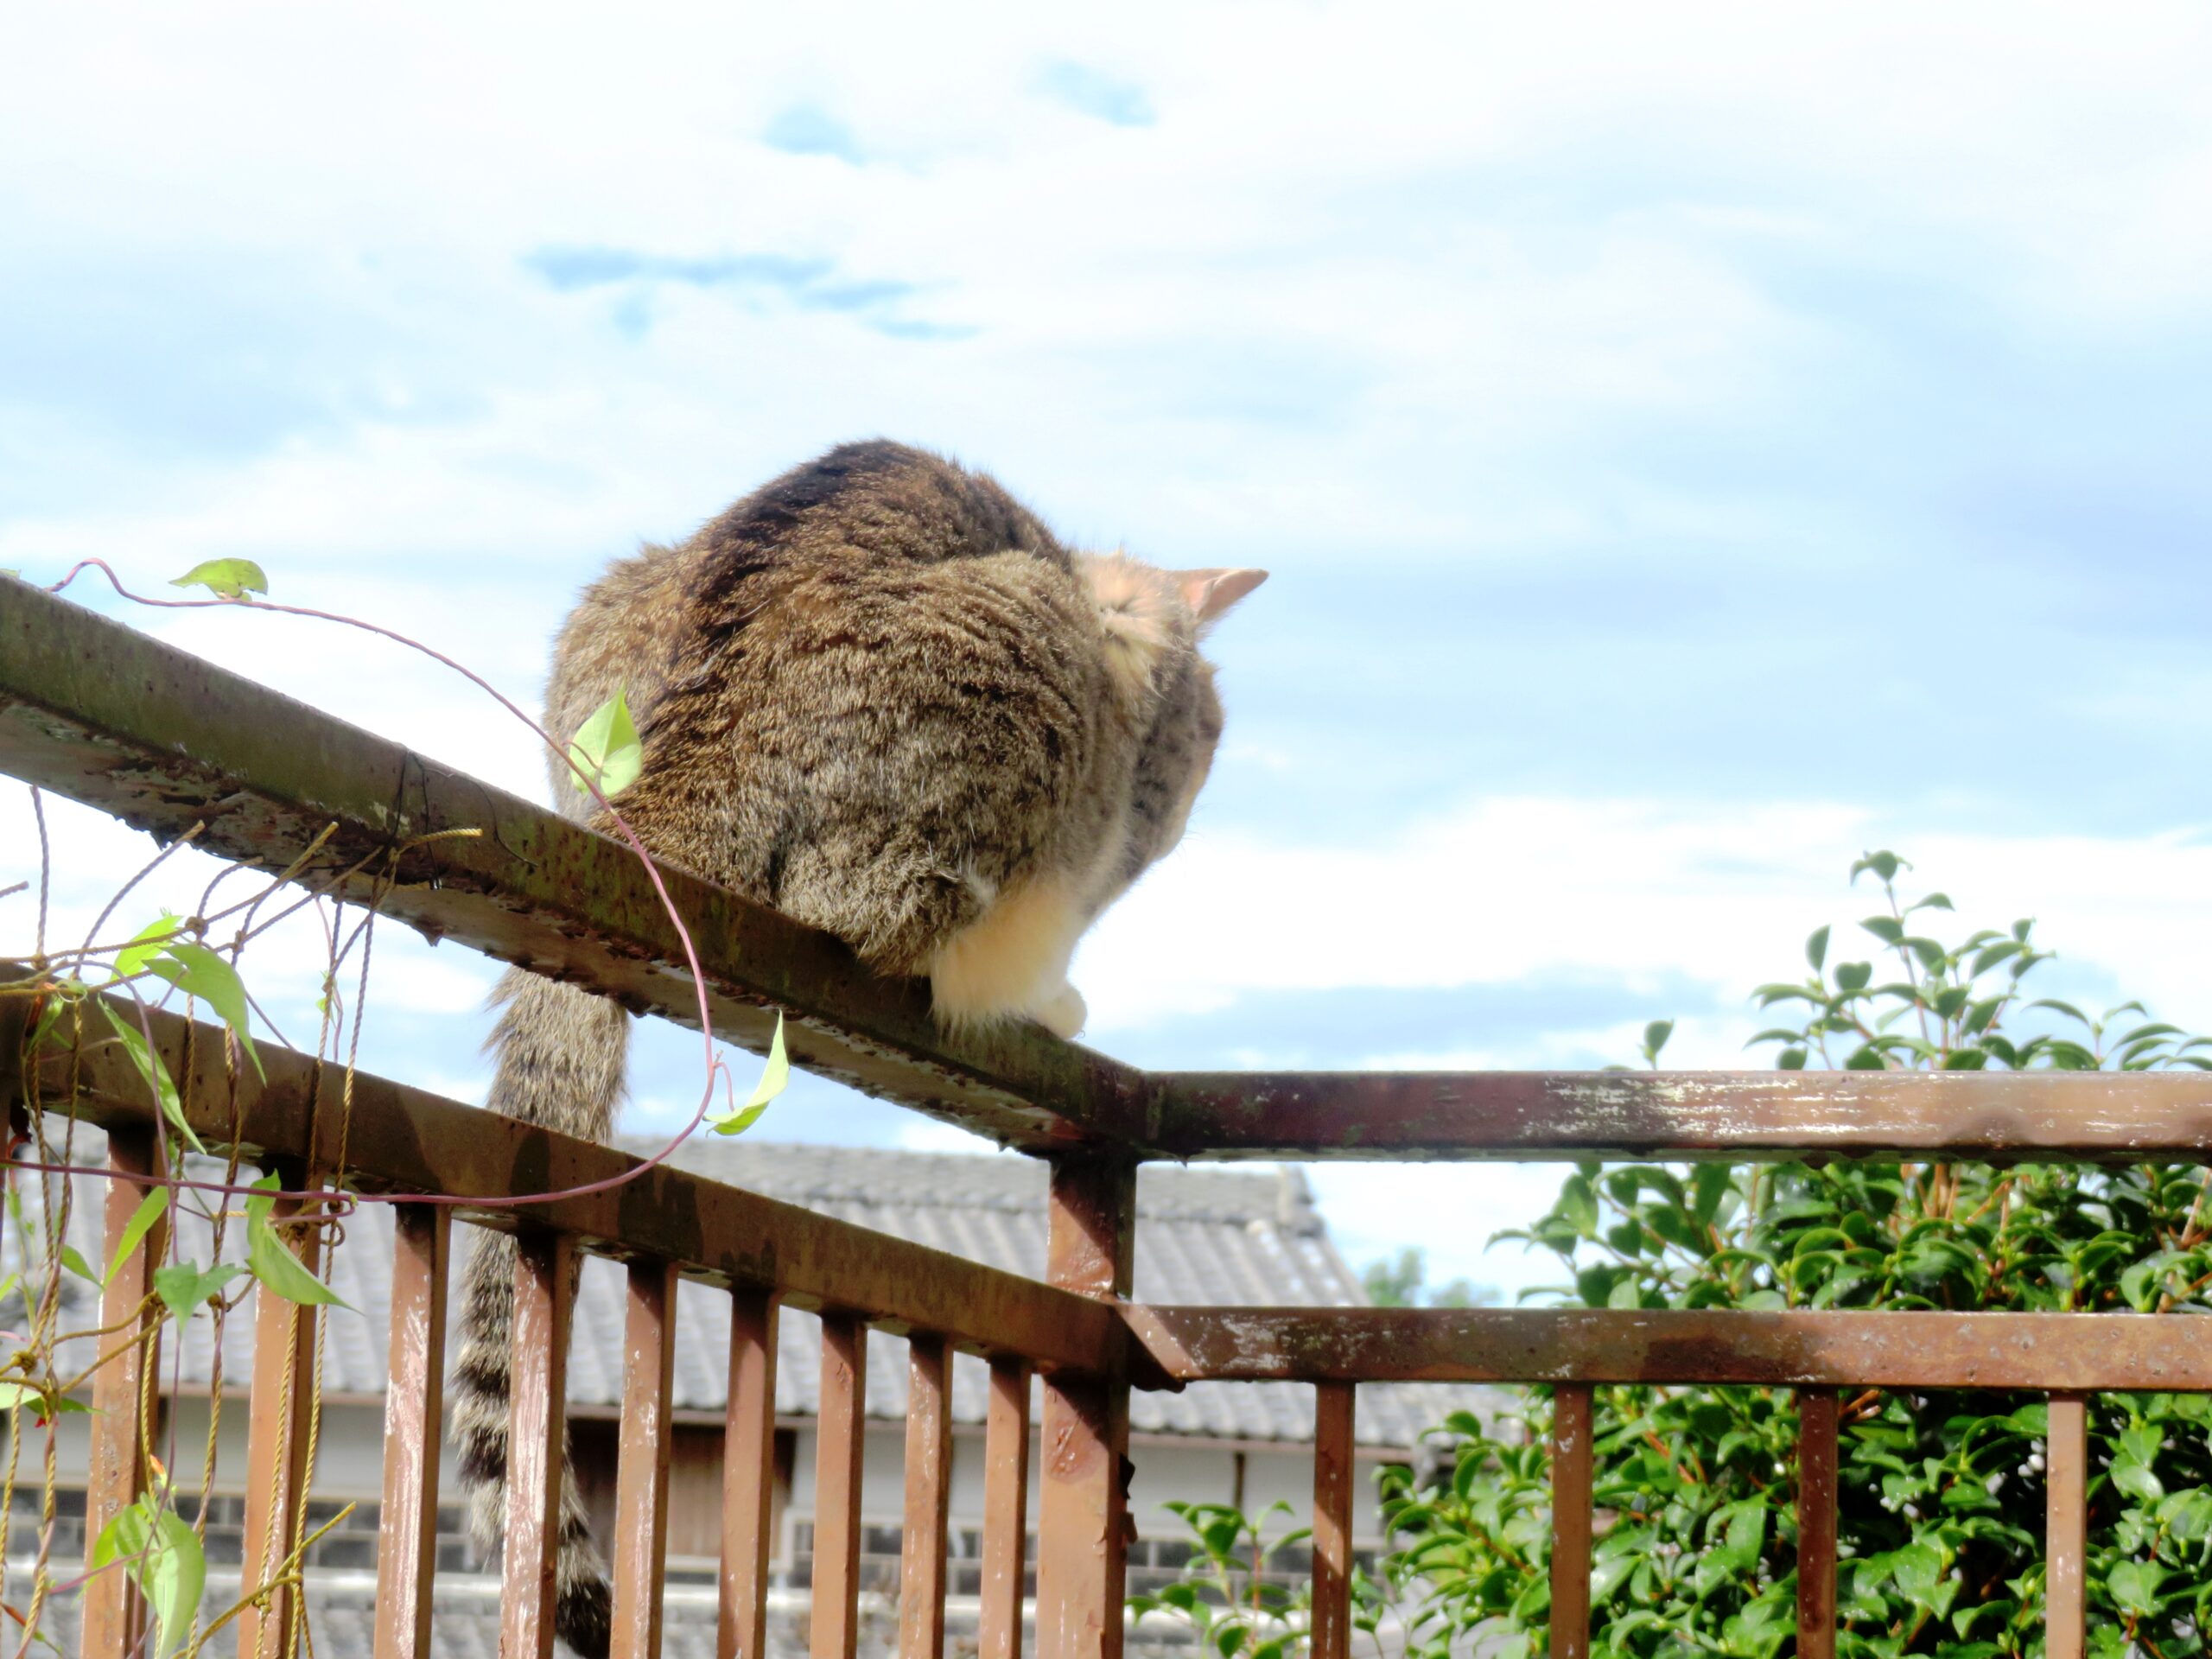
{"x":1063,"y":1012}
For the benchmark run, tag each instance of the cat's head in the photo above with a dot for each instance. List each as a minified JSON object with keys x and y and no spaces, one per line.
{"x":1153,"y":621}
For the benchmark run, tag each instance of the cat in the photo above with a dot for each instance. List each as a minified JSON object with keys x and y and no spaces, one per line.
{"x":880,"y":696}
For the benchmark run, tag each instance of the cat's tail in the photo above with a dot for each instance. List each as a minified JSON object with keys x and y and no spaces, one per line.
{"x":561,"y":1060}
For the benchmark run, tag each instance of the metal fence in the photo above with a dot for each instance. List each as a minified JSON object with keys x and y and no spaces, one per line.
{"x":165,"y":741}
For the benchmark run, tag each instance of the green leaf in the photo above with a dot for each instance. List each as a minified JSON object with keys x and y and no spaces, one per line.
{"x":1816,"y":947}
{"x":147,"y":943}
{"x":1916,"y":1567}
{"x":774,"y":1076}
{"x":1853,"y":976}
{"x":1885,"y":864}
{"x":186,"y":1286}
{"x":1654,"y":1038}
{"x":77,"y":1264}
{"x":155,"y":1074}
{"x":275,"y":1266}
{"x":606,"y":748}
{"x":226,"y":578}
{"x":165,"y":1560}
{"x":2134,"y":1585}
{"x":1887,"y":929}
{"x":2137,"y":1481}
{"x":197,"y":971}
{"x":1578,"y":1202}
{"x":1985,"y":960}
{"x":151,"y":1208}
{"x":15,"y":1394}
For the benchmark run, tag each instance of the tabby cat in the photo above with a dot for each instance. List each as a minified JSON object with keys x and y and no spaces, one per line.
{"x":880,"y":696}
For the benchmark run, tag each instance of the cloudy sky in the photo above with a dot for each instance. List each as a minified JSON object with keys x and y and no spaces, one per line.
{"x":1693,"y":445}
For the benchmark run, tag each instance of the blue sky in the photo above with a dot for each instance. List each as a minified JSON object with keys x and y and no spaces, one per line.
{"x":1692,"y":446}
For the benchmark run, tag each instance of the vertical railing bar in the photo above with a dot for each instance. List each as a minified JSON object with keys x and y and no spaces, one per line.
{"x":641,"y":1471}
{"x":748,"y":1475}
{"x":407,"y":1543}
{"x":1082,"y":1540}
{"x":530,"y":1554}
{"x":1005,"y":1510}
{"x":1817,"y":1420}
{"x":113,"y":1611}
{"x":2066,"y":1549}
{"x":840,"y":1431}
{"x":1335,"y":1405}
{"x":1571,"y":1521}
{"x":280,"y":1406}
{"x":929,"y":1484}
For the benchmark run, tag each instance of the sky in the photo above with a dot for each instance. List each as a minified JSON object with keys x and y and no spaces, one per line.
{"x":1693,"y":445}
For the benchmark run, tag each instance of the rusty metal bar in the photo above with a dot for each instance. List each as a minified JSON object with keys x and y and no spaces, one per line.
{"x":922,"y":1549}
{"x":1735,"y":1116}
{"x":276,"y":1469}
{"x":641,"y":1471}
{"x":1816,"y":1522}
{"x":748,"y":1476}
{"x":2134,"y":1351}
{"x":544,"y":1276}
{"x":1082,"y":1539}
{"x":94,"y":711}
{"x":2066,"y":1549}
{"x":1335,"y":1405}
{"x":402,"y":1139}
{"x":407,"y":1542}
{"x":1005,"y":1510}
{"x":1571,"y":1521}
{"x":123,"y":1392}
{"x":840,"y":1433}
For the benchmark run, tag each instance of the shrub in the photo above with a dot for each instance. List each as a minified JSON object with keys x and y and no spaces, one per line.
{"x":1941,"y":1496}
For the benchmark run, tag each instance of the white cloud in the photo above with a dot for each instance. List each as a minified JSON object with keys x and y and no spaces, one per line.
{"x":1508,"y":890}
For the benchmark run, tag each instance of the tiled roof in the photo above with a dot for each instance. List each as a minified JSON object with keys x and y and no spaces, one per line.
{"x":1242,"y":1235}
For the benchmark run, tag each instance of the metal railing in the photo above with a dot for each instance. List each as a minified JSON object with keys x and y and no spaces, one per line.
{"x":94,"y":711}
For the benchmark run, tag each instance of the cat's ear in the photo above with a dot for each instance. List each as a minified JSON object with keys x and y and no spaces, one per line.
{"x":1210,"y":593}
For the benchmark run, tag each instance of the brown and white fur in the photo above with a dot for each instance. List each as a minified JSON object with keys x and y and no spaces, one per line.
{"x":880,"y":696}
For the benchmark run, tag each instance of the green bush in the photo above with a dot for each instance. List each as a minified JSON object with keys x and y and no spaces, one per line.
{"x":1941,"y":1496}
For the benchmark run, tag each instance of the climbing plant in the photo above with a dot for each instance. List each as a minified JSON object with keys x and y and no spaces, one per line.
{"x":78,"y":995}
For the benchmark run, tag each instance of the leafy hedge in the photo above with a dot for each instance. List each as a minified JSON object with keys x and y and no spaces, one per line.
{"x":1941,"y":1496}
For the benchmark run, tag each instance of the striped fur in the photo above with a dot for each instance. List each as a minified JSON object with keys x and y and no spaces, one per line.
{"x":879,"y":696}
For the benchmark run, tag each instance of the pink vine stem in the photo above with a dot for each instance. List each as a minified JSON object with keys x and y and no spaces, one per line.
{"x":340,"y":1200}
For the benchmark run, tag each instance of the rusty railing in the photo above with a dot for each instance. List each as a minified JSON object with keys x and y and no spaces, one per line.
{"x":165,"y":741}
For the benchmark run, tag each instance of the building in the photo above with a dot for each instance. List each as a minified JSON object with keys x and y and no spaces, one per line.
{"x":1205,"y":1234}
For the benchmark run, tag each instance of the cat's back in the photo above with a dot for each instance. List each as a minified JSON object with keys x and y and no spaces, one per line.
{"x":871,"y":546}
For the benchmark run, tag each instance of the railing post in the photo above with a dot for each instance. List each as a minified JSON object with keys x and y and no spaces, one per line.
{"x":748,"y":1474}
{"x":407,"y":1549}
{"x":841,"y":1433}
{"x":929,"y":1488}
{"x":2066,"y":1549}
{"x":1082,"y":1544}
{"x":1817,"y":1416}
{"x":1571,"y":1521}
{"x":114,"y":1611}
{"x":277,"y":1470}
{"x":537,"y":1443}
{"x":641,"y":1474}
{"x":1005,"y":1510}
{"x":1334,"y":1467}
